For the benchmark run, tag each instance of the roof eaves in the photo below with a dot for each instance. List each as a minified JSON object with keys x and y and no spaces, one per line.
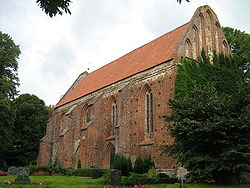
{"x":57,"y":106}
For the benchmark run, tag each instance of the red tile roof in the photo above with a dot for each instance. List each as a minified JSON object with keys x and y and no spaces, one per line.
{"x":149,"y":55}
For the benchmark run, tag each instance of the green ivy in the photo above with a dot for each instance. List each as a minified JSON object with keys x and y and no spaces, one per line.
{"x":211,"y":119}
{"x":222,"y":73}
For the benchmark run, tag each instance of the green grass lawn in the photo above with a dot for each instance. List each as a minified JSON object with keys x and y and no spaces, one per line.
{"x":75,"y":182}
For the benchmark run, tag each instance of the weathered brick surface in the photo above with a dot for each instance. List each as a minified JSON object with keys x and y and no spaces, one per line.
{"x":70,"y":138}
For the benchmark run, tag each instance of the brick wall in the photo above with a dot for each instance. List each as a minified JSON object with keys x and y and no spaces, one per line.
{"x":73,"y":134}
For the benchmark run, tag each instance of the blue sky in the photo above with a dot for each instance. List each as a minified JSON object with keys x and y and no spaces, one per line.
{"x":56,"y":50}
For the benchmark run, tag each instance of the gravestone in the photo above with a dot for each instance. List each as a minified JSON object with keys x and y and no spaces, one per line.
{"x":181,"y":173}
{"x":23,"y":171}
{"x":116,"y":177}
{"x":12,"y":171}
{"x":23,"y":176}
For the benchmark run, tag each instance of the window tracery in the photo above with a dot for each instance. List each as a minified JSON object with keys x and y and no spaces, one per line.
{"x":149,"y":110}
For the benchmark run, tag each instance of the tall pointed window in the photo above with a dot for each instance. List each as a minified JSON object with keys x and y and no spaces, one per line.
{"x":188,"y":49}
{"x":114,"y":116}
{"x":149,"y":111}
{"x":88,"y":116}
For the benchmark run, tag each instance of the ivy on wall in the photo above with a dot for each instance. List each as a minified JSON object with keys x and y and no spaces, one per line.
{"x":222,"y":73}
{"x":210,"y":120}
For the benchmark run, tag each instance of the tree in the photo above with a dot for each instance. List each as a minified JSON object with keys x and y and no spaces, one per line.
{"x":211,"y":120}
{"x":122,"y":163}
{"x":179,"y":1}
{"x":7,"y":117}
{"x":54,"y":7}
{"x":143,"y":165}
{"x":9,"y":53}
{"x":239,"y":43}
{"x":29,"y":127}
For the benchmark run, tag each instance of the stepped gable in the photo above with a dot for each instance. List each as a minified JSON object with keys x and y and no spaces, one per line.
{"x":147,"y":56}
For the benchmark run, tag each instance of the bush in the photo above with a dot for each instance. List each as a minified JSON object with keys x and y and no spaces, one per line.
{"x":143,"y":165}
{"x":122,"y":163}
{"x":138,"y":166}
{"x":89,"y":172}
{"x":134,"y":178}
{"x":107,"y":177}
{"x":36,"y":168}
{"x":245,"y":177}
{"x":68,"y":171}
{"x":55,"y":168}
{"x":153,"y":176}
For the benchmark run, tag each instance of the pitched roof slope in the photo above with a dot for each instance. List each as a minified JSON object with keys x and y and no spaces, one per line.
{"x":149,"y":55}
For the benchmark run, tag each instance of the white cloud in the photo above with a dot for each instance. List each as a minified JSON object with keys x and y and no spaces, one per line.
{"x":56,"y":50}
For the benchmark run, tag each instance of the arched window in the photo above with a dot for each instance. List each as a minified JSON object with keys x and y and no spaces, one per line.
{"x":196,"y":50}
{"x":210,"y":34}
{"x":86,"y":119}
{"x":209,"y":20}
{"x":88,"y":115}
{"x":149,"y":110}
{"x":225,"y":48}
{"x":202,"y":31}
{"x":217,"y":37}
{"x":188,"y":48}
{"x":114,"y":116}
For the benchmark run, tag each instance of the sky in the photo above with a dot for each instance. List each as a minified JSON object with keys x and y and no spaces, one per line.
{"x":56,"y":50}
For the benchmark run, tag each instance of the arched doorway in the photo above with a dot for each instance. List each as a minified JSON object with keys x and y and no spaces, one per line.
{"x":109,"y":154}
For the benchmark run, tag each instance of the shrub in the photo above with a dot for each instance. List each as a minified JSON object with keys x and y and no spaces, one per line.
{"x":55,"y":168}
{"x":135,"y":179}
{"x":245,"y":177}
{"x":68,"y":171}
{"x":122,"y":163}
{"x":107,"y":176}
{"x":153,"y":176}
{"x":41,"y":170}
{"x":143,"y":165}
{"x":138,"y":166}
{"x":40,"y":173}
{"x":36,"y":168}
{"x":89,"y":172}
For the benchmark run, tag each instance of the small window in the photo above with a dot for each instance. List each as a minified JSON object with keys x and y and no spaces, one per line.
{"x":114,"y":116}
{"x":188,"y":48}
{"x":149,"y":111}
{"x":225,"y":48}
{"x":89,"y":114}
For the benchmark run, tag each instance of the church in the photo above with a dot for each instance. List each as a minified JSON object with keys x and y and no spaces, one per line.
{"x":120,"y":107}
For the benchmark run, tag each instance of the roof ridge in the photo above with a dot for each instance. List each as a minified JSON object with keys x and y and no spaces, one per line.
{"x":137,"y":48}
{"x":140,"y":59}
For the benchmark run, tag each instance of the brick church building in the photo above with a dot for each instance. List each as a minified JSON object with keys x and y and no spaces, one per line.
{"x":120,"y":107}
